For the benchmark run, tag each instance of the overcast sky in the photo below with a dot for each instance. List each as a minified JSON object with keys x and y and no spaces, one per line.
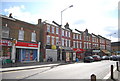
{"x":98,"y":16}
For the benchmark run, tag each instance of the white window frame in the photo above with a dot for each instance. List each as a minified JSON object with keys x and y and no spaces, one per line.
{"x":57,"y":30}
{"x":62,"y":32}
{"x":48,"y":28}
{"x":53,"y":40}
{"x":66,"y":33}
{"x":63,"y":42}
{"x":33,"y":37}
{"x":48,"y":39}
{"x":53,"y":29}
{"x":73,"y":36}
{"x":21,"y":35}
{"x":74,"y":44}
{"x":57,"y":40}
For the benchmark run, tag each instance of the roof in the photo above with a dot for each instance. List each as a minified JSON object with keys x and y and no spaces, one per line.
{"x":115,"y":43}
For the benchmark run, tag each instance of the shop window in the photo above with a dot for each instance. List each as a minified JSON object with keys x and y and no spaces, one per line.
{"x":33,"y":37}
{"x":6,"y":51}
{"x":21,"y":34}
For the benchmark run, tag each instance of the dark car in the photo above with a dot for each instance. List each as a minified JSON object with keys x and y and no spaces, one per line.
{"x":105,"y":58}
{"x":118,"y":57}
{"x":88,"y":59}
{"x":113,"y":57}
{"x":96,"y":57}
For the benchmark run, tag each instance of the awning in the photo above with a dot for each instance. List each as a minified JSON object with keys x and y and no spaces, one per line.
{"x":117,"y":51}
{"x":106,"y":51}
{"x":78,"y":50}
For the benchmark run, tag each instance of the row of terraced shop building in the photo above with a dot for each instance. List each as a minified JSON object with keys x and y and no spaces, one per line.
{"x":26,"y":42}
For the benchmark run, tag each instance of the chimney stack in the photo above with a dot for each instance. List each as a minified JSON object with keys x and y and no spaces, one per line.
{"x":39,"y":21}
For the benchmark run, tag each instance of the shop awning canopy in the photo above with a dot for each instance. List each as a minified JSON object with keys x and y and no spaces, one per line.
{"x":117,"y":51}
{"x":106,"y":51}
{"x":78,"y":50}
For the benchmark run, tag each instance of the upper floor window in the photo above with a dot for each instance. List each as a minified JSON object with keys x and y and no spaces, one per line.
{"x":5,"y":32}
{"x":57,"y":40}
{"x":57,"y":30}
{"x":68,"y":34}
{"x":48,"y":28}
{"x":21,"y":34}
{"x":62,"y":32}
{"x":80,"y":37}
{"x":73,"y":36}
{"x":48,"y":39}
{"x":53,"y":40}
{"x":76,"y":36}
{"x":63,"y":42}
{"x":53,"y":29}
{"x":33,"y":37}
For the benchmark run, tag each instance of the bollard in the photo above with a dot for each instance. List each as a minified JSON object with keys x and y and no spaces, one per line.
{"x":93,"y":77}
{"x":112,"y":72}
{"x":117,"y":66}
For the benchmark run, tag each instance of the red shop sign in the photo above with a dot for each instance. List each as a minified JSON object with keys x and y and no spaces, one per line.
{"x":24,"y":44}
{"x":5,"y":43}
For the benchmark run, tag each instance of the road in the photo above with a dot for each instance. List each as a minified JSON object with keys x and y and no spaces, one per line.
{"x":69,"y":71}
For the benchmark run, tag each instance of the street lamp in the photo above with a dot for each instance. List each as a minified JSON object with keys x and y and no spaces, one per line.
{"x":63,"y":11}
{"x":111,"y":35}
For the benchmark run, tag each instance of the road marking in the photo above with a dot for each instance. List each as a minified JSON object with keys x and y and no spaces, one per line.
{"x":109,"y":74}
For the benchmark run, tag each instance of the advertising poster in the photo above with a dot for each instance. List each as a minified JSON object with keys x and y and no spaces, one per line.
{"x":74,"y":56}
{"x":67,"y":57}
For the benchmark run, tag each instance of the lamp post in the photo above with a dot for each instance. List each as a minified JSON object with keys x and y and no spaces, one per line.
{"x":63,"y":11}
{"x":111,"y":35}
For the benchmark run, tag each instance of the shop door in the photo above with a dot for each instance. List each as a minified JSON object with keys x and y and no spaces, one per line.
{"x":17,"y":57}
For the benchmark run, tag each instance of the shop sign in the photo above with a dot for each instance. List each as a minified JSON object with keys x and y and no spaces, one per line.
{"x":6,"y":43}
{"x":97,"y":51}
{"x":53,"y":47}
{"x":24,"y":44}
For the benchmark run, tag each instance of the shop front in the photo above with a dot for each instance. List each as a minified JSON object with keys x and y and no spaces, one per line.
{"x":6,"y":49}
{"x":106,"y":52}
{"x":79,"y":53}
{"x":51,"y":53}
{"x":67,"y":54}
{"x":27,"y":52}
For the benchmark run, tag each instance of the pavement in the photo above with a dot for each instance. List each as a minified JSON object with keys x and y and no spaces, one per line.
{"x":24,"y":66}
{"x":31,"y":65}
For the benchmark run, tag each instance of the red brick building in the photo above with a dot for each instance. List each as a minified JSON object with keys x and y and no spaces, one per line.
{"x":20,"y":40}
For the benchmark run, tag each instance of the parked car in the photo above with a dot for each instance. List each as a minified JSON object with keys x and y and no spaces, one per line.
{"x":88,"y":59}
{"x":105,"y":57}
{"x":96,"y":57}
{"x":118,"y":57}
{"x":113,"y":57}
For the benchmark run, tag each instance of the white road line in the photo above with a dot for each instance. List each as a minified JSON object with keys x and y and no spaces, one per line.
{"x":108,"y":75}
